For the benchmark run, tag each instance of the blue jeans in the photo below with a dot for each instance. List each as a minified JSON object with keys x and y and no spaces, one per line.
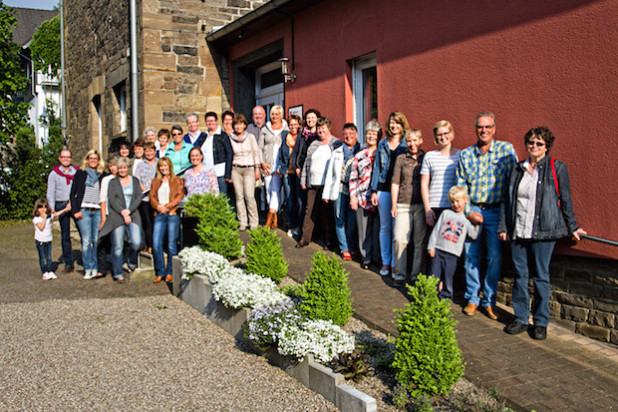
{"x":134,"y":233}
{"x":531,"y":259}
{"x":45,"y":260}
{"x":65,"y":230}
{"x":345,"y":224}
{"x":387,"y":247}
{"x":89,"y":231}
{"x":165,"y":224}
{"x":222,"y":185}
{"x":293,"y":205}
{"x":472,"y":265}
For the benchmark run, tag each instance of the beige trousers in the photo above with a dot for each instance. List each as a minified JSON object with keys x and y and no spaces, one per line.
{"x":243,"y":179}
{"x":409,"y":224}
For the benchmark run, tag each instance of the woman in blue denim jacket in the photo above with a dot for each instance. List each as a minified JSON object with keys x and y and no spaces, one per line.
{"x":387,"y":152}
{"x":537,"y":211}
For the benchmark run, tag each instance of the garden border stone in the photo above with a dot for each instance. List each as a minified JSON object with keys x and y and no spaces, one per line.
{"x":197,"y":293}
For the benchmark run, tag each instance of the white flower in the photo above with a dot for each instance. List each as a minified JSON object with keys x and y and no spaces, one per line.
{"x":321,"y":338}
{"x":237,"y":289}
{"x":196,"y":261}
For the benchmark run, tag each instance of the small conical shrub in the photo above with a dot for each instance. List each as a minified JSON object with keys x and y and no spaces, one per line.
{"x":264,"y":255}
{"x":427,"y":359}
{"x":326,"y":292}
{"x":217,"y":227}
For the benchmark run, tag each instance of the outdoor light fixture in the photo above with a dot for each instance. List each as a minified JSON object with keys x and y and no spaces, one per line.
{"x":288,"y":75}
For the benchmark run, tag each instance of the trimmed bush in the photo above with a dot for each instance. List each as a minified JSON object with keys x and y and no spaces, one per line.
{"x":327,"y":294}
{"x":264,"y":255}
{"x":427,"y":359}
{"x":217,"y":226}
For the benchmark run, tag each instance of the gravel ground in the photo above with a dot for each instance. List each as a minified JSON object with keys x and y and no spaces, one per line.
{"x":148,"y":353}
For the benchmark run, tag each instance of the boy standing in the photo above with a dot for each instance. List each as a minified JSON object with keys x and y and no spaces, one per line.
{"x":447,"y":240}
{"x":407,"y":208}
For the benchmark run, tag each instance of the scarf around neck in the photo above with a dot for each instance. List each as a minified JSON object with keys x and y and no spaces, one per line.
{"x":290,"y":140}
{"x":67,"y":176}
{"x":239,"y":139}
{"x":92,"y":178}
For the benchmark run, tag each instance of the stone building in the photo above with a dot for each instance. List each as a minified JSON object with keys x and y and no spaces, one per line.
{"x":177,"y":73}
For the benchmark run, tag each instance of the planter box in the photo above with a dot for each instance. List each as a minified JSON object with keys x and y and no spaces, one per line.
{"x":198,"y":294}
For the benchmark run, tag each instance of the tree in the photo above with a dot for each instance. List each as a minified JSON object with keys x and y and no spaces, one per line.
{"x":45,"y":47}
{"x":13,"y":113}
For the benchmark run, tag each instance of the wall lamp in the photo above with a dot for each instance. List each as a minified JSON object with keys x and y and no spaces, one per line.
{"x":288,"y":75}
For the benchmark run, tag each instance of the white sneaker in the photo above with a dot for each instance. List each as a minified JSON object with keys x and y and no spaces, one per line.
{"x":52,"y":275}
{"x":89,"y":274}
{"x":46,"y":276}
{"x":290,"y":233}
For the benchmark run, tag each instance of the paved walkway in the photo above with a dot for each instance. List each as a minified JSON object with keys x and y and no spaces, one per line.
{"x":566,"y":372}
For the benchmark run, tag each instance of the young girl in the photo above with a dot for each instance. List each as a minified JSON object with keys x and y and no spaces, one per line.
{"x":42,"y":218}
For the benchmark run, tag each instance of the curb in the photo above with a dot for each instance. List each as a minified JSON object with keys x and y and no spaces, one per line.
{"x":197,"y":293}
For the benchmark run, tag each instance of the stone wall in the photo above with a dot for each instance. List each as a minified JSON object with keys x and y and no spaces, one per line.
{"x":584,"y":295}
{"x":97,"y":38}
{"x":180,"y":74}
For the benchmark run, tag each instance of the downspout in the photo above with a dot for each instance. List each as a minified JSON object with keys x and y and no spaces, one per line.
{"x":134,"y":83}
{"x":63,"y":108}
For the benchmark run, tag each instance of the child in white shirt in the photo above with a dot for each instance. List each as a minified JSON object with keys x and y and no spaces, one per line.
{"x":41,"y":218}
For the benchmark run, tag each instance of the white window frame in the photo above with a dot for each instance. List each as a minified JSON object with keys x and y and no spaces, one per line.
{"x":358,"y":65}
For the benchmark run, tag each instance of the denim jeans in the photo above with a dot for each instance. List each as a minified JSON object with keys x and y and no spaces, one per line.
{"x":134,"y":233}
{"x":65,"y":230}
{"x":89,"y":231}
{"x":222,"y":185}
{"x":165,"y":224}
{"x":472,"y":265}
{"x":531,"y":260}
{"x":386,"y":229}
{"x":345,"y":224}
{"x":45,"y":259}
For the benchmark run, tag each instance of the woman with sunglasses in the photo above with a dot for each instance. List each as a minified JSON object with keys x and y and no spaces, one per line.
{"x":178,"y":151}
{"x":536,"y":212}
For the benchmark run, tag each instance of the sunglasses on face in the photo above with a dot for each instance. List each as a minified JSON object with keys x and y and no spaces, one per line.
{"x":537,"y":144}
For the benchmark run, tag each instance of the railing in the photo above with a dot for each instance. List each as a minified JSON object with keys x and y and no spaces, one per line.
{"x":599,"y":239}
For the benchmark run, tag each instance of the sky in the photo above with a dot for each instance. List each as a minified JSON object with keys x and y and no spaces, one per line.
{"x":32,"y":4}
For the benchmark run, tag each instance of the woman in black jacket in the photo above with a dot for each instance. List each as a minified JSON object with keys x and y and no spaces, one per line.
{"x":536,"y":212}
{"x":85,"y":206}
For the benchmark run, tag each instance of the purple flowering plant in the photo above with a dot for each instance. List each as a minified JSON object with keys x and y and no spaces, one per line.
{"x":265,"y":322}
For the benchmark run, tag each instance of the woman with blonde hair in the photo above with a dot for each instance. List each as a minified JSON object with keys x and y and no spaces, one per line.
{"x":86,"y":209}
{"x":380,"y":187}
{"x":269,"y":143}
{"x":166,"y":193}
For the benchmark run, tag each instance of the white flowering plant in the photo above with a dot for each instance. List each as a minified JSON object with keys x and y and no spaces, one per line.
{"x":265,"y":322}
{"x":196,"y":261}
{"x":321,"y":338}
{"x":236,"y":289}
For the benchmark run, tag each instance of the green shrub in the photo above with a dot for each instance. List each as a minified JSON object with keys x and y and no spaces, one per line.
{"x":427,"y":359}
{"x":295,"y":292}
{"x":327,"y":293}
{"x":217,"y":227}
{"x":264,"y":255}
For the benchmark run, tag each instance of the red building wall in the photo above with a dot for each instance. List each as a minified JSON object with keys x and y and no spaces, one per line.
{"x":530,"y":62}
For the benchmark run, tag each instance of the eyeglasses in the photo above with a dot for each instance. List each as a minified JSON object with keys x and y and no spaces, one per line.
{"x":443,"y":134}
{"x":176,"y":134}
{"x":533,"y":143}
{"x":65,"y":157}
{"x":485,"y":127}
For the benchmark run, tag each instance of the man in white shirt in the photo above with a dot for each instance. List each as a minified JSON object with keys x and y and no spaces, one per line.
{"x":194,"y":133}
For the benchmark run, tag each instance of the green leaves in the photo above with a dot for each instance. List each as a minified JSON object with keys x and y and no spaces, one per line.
{"x":217,"y":226}
{"x":264,"y":255}
{"x":327,"y":292}
{"x":45,"y":46}
{"x":427,"y":358}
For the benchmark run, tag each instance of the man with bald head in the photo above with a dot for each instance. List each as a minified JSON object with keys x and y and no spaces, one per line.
{"x":259,"y":120}
{"x":59,"y":184}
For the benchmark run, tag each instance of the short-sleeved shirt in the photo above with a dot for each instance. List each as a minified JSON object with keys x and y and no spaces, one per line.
{"x":443,"y":175}
{"x":407,"y":174}
{"x":44,"y":235}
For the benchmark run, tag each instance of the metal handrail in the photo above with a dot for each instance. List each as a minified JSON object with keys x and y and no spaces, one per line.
{"x":599,"y":239}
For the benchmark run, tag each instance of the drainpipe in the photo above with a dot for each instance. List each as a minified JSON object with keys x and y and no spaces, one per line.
{"x":63,"y":104}
{"x":134,"y":83}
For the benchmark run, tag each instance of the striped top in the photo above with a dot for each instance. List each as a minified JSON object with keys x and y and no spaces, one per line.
{"x":92,"y":196}
{"x":443,"y":172}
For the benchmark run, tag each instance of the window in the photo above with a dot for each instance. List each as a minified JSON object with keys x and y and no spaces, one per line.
{"x":365,"y":89}
{"x":269,"y":86}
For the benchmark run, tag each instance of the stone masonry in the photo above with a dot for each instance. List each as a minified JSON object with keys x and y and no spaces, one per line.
{"x":177,"y":73}
{"x":584,"y":295}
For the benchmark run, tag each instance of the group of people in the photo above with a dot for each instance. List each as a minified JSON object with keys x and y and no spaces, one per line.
{"x":373,"y":201}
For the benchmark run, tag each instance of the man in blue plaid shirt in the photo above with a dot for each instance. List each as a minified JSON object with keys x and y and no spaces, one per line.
{"x":483,"y":169}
